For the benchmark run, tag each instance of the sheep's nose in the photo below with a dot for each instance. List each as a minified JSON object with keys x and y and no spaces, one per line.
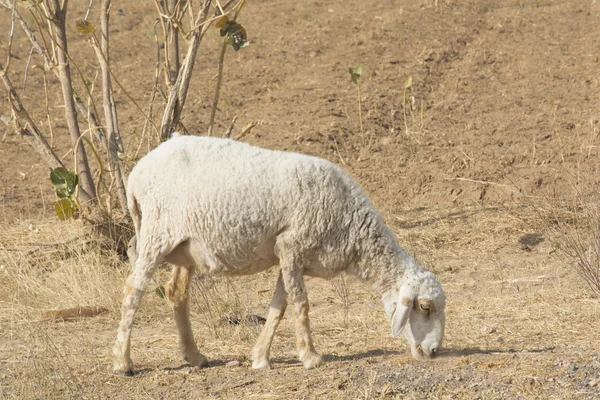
{"x":433,"y":352}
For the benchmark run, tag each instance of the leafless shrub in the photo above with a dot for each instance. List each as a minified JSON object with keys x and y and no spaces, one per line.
{"x":577,"y":238}
{"x":341,"y":289}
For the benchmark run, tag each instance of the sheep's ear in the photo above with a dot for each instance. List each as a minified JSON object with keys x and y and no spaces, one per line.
{"x":403,"y":308}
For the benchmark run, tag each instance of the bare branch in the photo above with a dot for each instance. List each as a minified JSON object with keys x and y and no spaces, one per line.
{"x":172,"y":43}
{"x":29,"y":130}
{"x":179,"y":90}
{"x":114,"y":143}
{"x":59,"y":22}
{"x":30,"y":35}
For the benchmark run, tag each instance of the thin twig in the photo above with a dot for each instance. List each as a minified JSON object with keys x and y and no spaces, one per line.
{"x":360,"y":119}
{"x":480,"y":182}
{"x":337,"y":149}
{"x":11,"y":34}
{"x":87,"y":13}
{"x":48,"y":109}
{"x":152,"y":95}
{"x":231,"y":126}
{"x":246,"y":130}
{"x":213,"y":110}
{"x":27,"y":70}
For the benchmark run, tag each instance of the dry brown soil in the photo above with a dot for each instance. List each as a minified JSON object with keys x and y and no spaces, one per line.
{"x":502,"y":115}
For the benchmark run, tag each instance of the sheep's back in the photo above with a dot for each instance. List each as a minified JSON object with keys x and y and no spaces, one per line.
{"x":235,"y":197}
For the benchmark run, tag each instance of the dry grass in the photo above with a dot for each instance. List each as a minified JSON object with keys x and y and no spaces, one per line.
{"x":518,"y":323}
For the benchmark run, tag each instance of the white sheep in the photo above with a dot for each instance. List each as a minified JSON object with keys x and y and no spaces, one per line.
{"x":229,"y":208}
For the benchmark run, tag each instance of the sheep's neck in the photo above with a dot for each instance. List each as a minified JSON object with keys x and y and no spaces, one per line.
{"x":380,"y":260}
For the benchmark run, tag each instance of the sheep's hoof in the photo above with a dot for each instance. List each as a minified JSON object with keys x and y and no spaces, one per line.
{"x":126,"y":370}
{"x":261,"y":364}
{"x":197,"y":360}
{"x":312,"y":360}
{"x":123,"y":368}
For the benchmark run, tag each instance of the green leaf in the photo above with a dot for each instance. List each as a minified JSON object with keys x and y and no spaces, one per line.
{"x":62,"y":192}
{"x":160,"y":291}
{"x":355,"y":73}
{"x":72,"y":180}
{"x":64,"y":209}
{"x":408,"y":82}
{"x":225,"y":28}
{"x":222,"y":21}
{"x":58,"y":176}
{"x":65,"y":182}
{"x":358,"y":70}
{"x":85,"y":27}
{"x":236,"y":34}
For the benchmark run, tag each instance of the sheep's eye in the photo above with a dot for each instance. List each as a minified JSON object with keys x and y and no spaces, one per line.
{"x":424,"y":307}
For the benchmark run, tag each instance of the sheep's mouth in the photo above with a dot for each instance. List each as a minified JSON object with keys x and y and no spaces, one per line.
{"x":420,"y":351}
{"x":422,"y":355}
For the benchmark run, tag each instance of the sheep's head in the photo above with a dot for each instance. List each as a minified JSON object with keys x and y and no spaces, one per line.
{"x":420,"y":315}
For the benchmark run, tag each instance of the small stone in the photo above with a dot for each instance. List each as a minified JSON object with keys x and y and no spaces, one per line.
{"x":234,"y":363}
{"x":573,"y":367}
{"x":489,"y":330}
{"x":593,"y":382}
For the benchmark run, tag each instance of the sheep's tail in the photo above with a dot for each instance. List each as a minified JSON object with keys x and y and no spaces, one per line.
{"x":134,"y":211}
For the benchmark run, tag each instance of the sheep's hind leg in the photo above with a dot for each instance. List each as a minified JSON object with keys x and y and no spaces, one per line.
{"x":262,"y":348}
{"x":293,"y":281}
{"x":134,"y":290}
{"x":177,"y":291}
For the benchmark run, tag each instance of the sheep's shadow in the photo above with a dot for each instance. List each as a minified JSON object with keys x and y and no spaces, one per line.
{"x":137,"y":372}
{"x":211,"y":364}
{"x":294,"y":361}
{"x":362,"y":355}
{"x":454,"y":215}
{"x":447,"y":353}
{"x":337,"y":358}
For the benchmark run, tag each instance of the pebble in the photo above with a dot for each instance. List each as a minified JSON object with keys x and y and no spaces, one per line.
{"x":234,"y":363}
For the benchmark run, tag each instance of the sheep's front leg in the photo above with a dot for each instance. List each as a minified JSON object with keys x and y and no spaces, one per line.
{"x":134,"y":290}
{"x":260,"y":353}
{"x":177,"y":291}
{"x":293,"y":281}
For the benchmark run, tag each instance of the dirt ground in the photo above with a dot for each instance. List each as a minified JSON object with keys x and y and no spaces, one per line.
{"x":498,"y":131}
